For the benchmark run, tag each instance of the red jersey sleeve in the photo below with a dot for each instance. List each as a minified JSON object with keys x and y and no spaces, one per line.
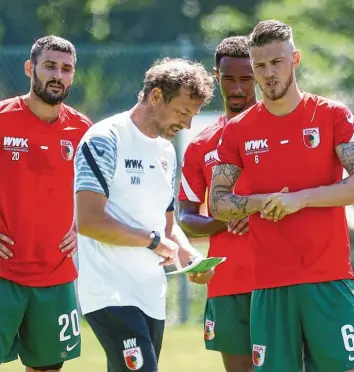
{"x":343,"y":125}
{"x":228,"y":147}
{"x":193,"y":185}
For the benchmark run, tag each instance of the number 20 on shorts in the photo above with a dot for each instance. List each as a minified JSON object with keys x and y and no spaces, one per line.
{"x":65,"y":320}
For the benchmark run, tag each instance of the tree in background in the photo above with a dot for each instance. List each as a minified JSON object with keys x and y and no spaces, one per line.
{"x":323,"y":32}
{"x":114,"y":41}
{"x":97,"y":21}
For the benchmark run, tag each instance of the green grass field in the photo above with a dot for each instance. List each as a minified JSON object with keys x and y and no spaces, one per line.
{"x":183,"y":350}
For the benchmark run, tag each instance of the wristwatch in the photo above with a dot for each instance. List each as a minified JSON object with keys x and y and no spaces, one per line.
{"x":155,"y":240}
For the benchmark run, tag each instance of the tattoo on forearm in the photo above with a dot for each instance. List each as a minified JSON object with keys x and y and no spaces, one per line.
{"x":240,"y":204}
{"x":223,"y":203}
{"x":345,"y":153}
{"x":230,"y":172}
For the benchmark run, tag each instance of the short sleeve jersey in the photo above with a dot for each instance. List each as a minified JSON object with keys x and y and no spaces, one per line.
{"x":36,"y":191}
{"x":295,"y":151}
{"x":139,"y":172}
{"x":234,"y":276}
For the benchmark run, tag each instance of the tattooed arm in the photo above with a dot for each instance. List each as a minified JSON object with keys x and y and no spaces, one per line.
{"x":337,"y":195}
{"x":340,"y":194}
{"x":224,"y":205}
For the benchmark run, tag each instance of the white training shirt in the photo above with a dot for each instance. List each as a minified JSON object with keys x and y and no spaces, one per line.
{"x":140,"y":173}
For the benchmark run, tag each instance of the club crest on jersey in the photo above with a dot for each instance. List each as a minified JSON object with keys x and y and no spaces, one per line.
{"x":209,"y":332}
{"x":133,"y":358}
{"x":67,"y":149}
{"x":258,"y":354}
{"x":311,"y":137}
{"x":164,"y":164}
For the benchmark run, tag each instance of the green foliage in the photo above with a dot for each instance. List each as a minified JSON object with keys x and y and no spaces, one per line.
{"x":224,"y":21}
{"x":109,"y":77}
{"x":128,"y":21}
{"x":322,"y":31}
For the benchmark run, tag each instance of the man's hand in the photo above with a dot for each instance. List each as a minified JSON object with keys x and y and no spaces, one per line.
{"x":201,"y":278}
{"x":5,"y":253}
{"x":168,"y":250}
{"x":238,"y":226}
{"x":69,"y":243}
{"x":282,"y":204}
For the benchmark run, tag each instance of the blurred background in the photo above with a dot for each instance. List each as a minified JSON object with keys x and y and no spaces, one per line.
{"x":117,"y":40}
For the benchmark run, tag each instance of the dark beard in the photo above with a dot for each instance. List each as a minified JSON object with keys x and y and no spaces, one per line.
{"x":237,"y":109}
{"x":46,"y":97}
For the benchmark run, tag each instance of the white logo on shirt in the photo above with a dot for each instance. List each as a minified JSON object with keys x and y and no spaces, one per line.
{"x":311,"y":137}
{"x":15,"y":143}
{"x":67,"y":150}
{"x":210,"y":157}
{"x":256,"y":146}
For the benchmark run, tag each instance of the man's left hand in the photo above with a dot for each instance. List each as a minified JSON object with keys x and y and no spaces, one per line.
{"x":283,"y":204}
{"x":238,"y":226}
{"x":69,"y":243}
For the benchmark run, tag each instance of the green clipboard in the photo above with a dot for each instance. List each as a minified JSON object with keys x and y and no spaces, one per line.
{"x":199,"y":265}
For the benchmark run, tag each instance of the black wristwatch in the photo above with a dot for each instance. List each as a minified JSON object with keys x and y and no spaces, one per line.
{"x":155,"y":240}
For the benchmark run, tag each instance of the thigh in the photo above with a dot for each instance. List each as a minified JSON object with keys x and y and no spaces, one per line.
{"x":328,"y":326}
{"x":156,"y":329}
{"x":276,"y":333}
{"x":50,"y":331}
{"x":11,"y":314}
{"x":227,"y":324}
{"x":14,"y":351}
{"x":125,"y":337}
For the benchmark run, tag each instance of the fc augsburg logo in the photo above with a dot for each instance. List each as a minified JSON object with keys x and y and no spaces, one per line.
{"x":67,"y":149}
{"x":133,"y":358}
{"x":209,"y":332}
{"x":258,"y":354}
{"x":311,"y":137}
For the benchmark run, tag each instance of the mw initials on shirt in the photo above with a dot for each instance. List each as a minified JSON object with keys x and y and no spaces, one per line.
{"x":15,"y":142}
{"x":135,"y":180}
{"x":130,"y":343}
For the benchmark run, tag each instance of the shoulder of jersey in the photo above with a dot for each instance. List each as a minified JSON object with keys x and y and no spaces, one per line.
{"x":325,"y":102}
{"x":106,"y":126}
{"x":207,"y":134}
{"x":166,"y":145}
{"x":118,"y":120}
{"x":246,"y":117}
{"x":79,"y":116}
{"x":10,"y":105}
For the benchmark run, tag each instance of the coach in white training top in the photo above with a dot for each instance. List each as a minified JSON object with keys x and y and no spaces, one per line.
{"x":124,"y":183}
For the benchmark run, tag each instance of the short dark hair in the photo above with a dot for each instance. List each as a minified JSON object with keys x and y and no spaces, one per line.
{"x":172,"y":74}
{"x":269,"y":31}
{"x":234,"y":46}
{"x":51,"y":42}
